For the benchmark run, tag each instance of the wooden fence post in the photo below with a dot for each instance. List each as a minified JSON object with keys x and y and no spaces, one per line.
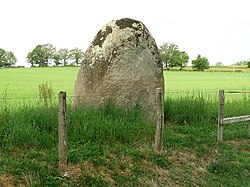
{"x":62,"y":129}
{"x":158,"y":147}
{"x":249,"y":128}
{"x":221,"y":115}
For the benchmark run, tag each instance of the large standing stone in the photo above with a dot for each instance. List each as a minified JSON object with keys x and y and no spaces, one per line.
{"x":121,"y":65}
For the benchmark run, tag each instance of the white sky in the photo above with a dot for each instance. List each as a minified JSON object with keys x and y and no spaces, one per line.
{"x":216,"y":29}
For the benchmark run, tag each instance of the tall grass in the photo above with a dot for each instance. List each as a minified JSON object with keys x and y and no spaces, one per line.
{"x":203,"y":108}
{"x":30,"y":126}
{"x":108,"y":124}
{"x":4,"y":108}
{"x":115,"y":142}
{"x":36,"y":125}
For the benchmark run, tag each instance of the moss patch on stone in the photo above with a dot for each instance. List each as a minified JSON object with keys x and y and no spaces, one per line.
{"x":102,"y":35}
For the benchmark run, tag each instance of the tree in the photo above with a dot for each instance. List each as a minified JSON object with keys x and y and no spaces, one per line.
{"x":180,"y":59}
{"x":201,"y":63}
{"x":172,"y":56}
{"x":48,"y":51}
{"x":7,"y":58}
{"x":56,"y":58}
{"x":41,"y":55}
{"x":2,"y":57}
{"x":167,"y":52}
{"x":30,"y":59}
{"x":248,"y":63}
{"x":64,"y":55}
{"x":10,"y":58}
{"x":37,"y":56}
{"x":77,"y":55}
{"x":241,"y":63}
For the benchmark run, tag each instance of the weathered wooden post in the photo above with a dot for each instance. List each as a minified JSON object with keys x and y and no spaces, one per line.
{"x":249,"y":128}
{"x":62,"y":129}
{"x":221,"y":115}
{"x":158,"y":147}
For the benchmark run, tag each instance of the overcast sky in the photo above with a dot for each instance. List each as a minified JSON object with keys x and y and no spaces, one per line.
{"x":216,"y":29}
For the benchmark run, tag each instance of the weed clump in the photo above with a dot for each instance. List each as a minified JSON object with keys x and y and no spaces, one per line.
{"x":46,"y":93}
{"x":5,"y":109}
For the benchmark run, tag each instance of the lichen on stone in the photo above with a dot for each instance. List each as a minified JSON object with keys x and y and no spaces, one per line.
{"x":102,"y":35}
{"x":127,"y":22}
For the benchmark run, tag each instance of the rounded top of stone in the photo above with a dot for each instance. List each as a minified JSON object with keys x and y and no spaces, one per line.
{"x":119,"y":37}
{"x":120,"y":24}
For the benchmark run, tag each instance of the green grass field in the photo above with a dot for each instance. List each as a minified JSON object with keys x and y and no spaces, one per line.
{"x":206,"y":81}
{"x":23,"y":83}
{"x":112,"y":146}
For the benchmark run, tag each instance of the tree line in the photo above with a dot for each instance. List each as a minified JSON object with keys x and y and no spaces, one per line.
{"x":46,"y":54}
{"x":243,"y":63}
{"x":172,"y":57}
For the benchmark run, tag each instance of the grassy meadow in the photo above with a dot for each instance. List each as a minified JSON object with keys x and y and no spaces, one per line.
{"x":24,"y":83}
{"x":111,"y":145}
{"x":206,"y":82}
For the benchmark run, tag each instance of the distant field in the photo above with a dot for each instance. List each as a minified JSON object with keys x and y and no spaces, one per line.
{"x":236,"y":69}
{"x":24,"y":83}
{"x":176,"y":81}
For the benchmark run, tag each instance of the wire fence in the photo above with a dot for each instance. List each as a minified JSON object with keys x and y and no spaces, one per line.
{"x":167,"y":93}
